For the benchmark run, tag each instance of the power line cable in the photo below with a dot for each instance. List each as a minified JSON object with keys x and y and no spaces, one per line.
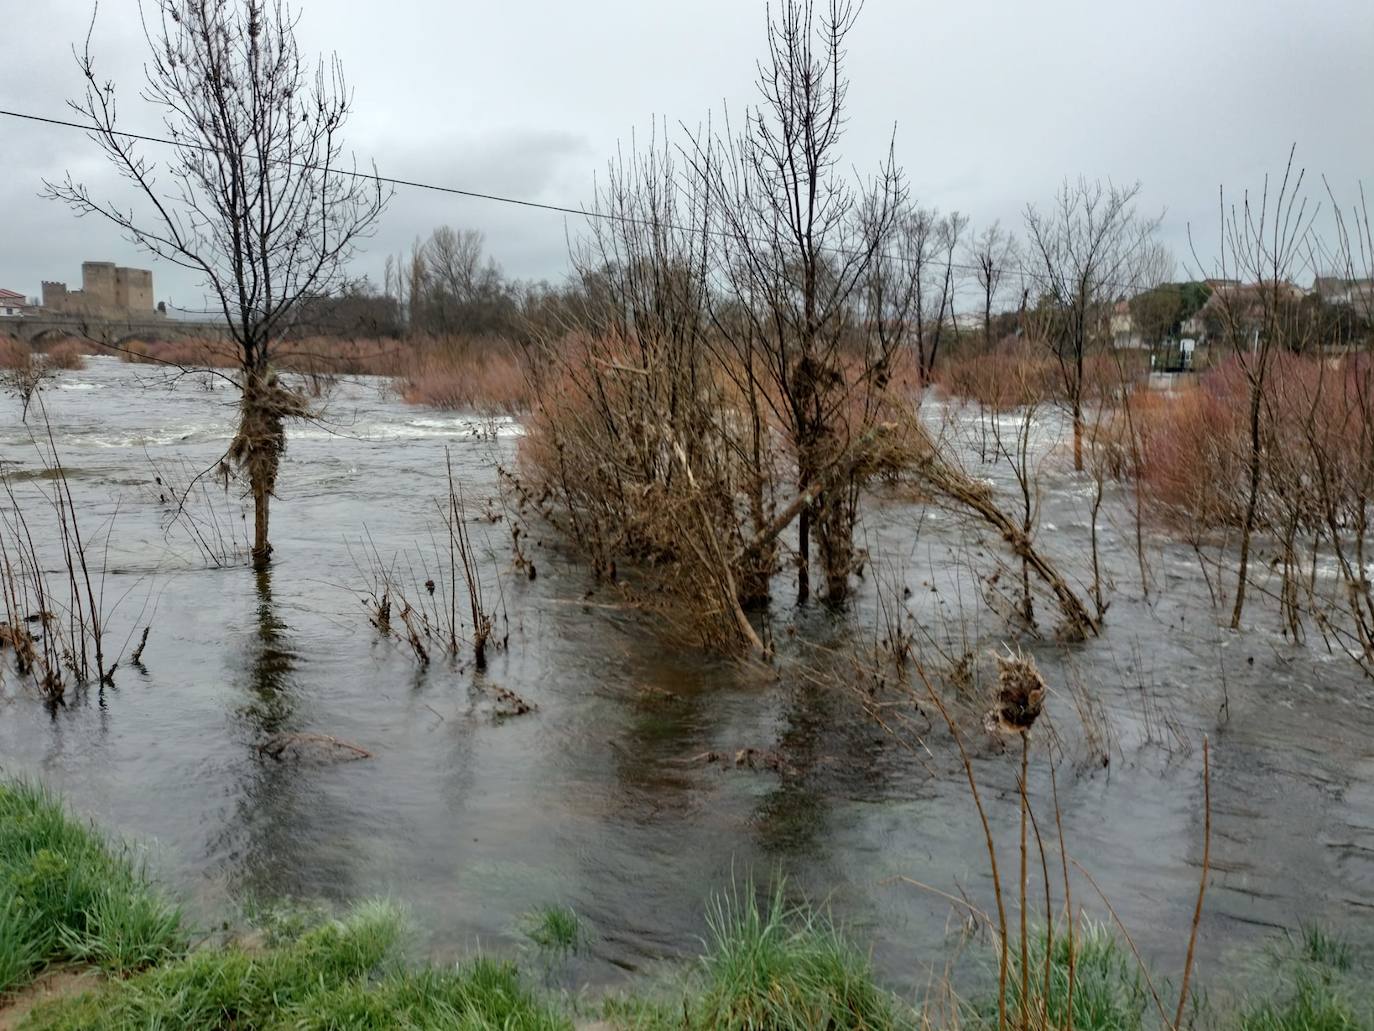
{"x":497,"y":198}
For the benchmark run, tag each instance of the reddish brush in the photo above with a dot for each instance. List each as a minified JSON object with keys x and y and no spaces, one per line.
{"x":483,"y":374}
{"x":1315,"y":418}
{"x":1018,"y":373}
{"x":14,"y":354}
{"x":191,"y":353}
{"x":1001,"y":380}
{"x":68,"y":354}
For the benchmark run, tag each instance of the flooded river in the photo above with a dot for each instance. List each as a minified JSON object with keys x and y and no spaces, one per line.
{"x":598,"y":798}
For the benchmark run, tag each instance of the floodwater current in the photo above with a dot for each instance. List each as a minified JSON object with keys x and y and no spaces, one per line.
{"x":599,"y":798}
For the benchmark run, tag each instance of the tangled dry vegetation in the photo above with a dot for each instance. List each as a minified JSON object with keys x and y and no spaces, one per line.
{"x":54,"y":631}
{"x":1314,"y":480}
{"x":747,"y":364}
{"x":24,"y":372}
{"x":418,"y":598}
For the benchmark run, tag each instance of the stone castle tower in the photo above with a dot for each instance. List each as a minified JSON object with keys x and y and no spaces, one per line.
{"x":106,"y":289}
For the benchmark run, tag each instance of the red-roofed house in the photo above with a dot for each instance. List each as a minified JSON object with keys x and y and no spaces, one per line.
{"x":13,"y":305}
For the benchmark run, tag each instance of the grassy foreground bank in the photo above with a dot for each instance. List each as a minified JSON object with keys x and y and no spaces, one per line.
{"x":70,"y":897}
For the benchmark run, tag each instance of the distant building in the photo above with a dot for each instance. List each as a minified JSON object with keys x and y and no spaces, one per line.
{"x":106,"y":289}
{"x":1245,"y":301}
{"x":13,"y":305}
{"x":1356,"y":293}
{"x":1123,"y":327}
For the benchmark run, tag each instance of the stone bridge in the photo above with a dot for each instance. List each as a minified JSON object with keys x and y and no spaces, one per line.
{"x":41,"y":330}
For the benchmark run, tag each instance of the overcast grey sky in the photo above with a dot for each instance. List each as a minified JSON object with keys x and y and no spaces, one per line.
{"x":994,"y":102}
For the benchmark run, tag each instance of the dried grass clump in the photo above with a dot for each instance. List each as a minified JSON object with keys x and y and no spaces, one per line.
{"x":258,"y":445}
{"x":190,"y":353}
{"x":14,"y":354}
{"x":1020,"y":695}
{"x":482,"y":374}
{"x":68,"y":354}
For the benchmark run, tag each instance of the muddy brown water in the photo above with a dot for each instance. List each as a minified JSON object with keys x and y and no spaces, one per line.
{"x":597,"y":799}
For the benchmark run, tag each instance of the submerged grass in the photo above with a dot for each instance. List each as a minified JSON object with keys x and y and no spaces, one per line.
{"x":554,"y":929}
{"x":69,"y":894}
{"x":1316,"y":984}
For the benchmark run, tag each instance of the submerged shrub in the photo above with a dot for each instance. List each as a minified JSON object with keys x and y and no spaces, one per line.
{"x":483,"y":375}
{"x":67,"y":354}
{"x":14,"y":354}
{"x":191,"y":353}
{"x":554,"y":929}
{"x":1316,"y":425}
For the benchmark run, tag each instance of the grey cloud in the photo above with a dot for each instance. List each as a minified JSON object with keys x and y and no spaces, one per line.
{"x":994,"y":102}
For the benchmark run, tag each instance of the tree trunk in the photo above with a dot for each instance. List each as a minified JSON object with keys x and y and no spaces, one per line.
{"x":256,"y":449}
{"x":1077,"y":435}
{"x":835,"y":533}
{"x":804,"y":555}
{"x":1078,"y":404}
{"x":262,"y":496}
{"x":1251,"y":504}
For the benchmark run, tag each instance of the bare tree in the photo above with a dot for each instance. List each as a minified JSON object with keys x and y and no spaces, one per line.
{"x":949,"y":232}
{"x":801,"y":242}
{"x":1088,"y":249}
{"x":912,"y":255}
{"x":925,"y":245}
{"x":1264,"y":242}
{"x":992,"y":254}
{"x":255,"y":195}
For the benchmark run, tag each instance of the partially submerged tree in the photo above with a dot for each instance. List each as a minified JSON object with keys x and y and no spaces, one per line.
{"x":801,"y":245}
{"x":1088,"y":249}
{"x":255,"y":195}
{"x":1265,"y":241}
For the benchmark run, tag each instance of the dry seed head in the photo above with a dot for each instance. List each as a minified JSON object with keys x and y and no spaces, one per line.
{"x":1020,"y":695}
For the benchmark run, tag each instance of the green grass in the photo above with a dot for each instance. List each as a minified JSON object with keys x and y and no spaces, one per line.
{"x":67,"y":893}
{"x":772,"y":966}
{"x":1109,"y":991}
{"x":1316,"y":985}
{"x":1318,"y":947}
{"x":554,"y":929}
{"x":340,"y":974}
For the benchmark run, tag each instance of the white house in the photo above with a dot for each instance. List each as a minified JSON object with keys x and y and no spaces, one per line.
{"x":1123,"y":327}
{"x":12,"y":305}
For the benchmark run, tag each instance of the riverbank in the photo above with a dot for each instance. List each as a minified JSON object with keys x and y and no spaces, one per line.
{"x":106,"y":948}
